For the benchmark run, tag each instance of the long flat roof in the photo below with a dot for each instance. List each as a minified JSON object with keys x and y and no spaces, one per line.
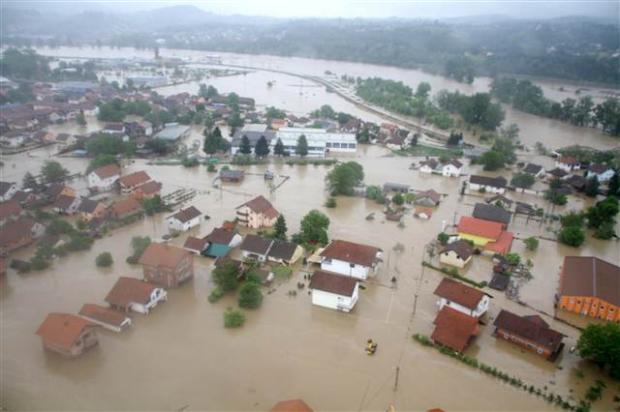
{"x":314,"y":135}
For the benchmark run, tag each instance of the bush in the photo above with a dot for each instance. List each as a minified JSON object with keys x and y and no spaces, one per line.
{"x":225,"y":277}
{"x":572,"y":219}
{"x":398,"y":199}
{"x":250,"y":296}
{"x":104,"y":260}
{"x":138,"y":244}
{"x":211,"y":168}
{"x":531,"y":243}
{"x":513,"y":259}
{"x":233,"y":318}
{"x":443,"y":238}
{"x":283,"y":272}
{"x":605,"y":231}
{"x":522,"y":180}
{"x":215,"y":295}
{"x":79,"y":241}
{"x":331,"y":203}
{"x":190,"y":162}
{"x":59,"y":227}
{"x":572,"y":236}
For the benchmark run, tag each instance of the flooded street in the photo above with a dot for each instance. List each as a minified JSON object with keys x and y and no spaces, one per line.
{"x":297,"y":96}
{"x":180,"y":356}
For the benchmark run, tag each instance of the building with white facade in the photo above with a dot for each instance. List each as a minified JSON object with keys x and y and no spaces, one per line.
{"x":184,"y":219}
{"x":334,"y":291}
{"x":465,"y":299}
{"x":104,"y":178}
{"x":350,"y":259}
{"x":320,"y":141}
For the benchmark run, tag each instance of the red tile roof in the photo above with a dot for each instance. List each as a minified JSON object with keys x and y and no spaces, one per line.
{"x":292,"y":405}
{"x":194,"y":243}
{"x":62,"y":329}
{"x":502,"y":245}
{"x":221,"y":235}
{"x":187,"y":214}
{"x":126,"y":206}
{"x":459,"y":293}
{"x":107,"y":171}
{"x":10,"y":208}
{"x":479,"y":227}
{"x":130,"y":290}
{"x":134,"y":179}
{"x":351,"y":252}
{"x":262,"y":206}
{"x":454,"y":329}
{"x":150,"y":187}
{"x":333,"y":283}
{"x":103,"y":314}
{"x":530,"y":328}
{"x":163,"y":254}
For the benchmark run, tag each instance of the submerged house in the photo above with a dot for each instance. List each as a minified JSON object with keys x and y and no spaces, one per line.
{"x":489,"y":235}
{"x":291,"y":405}
{"x":196,"y":245}
{"x":184,"y":219}
{"x":134,"y":294}
{"x":166,"y":265}
{"x":492,"y":214}
{"x":67,"y":334}
{"x":257,"y":213}
{"x":457,"y":254}
{"x":221,"y":241}
{"x":104,"y":178}
{"x":286,"y":253}
{"x":463,"y":298}
{"x":590,"y":287}
{"x":454,"y":329}
{"x":487,"y":184}
{"x":529,"y":332}
{"x":428,"y":198}
{"x":255,"y":247}
{"x":334,"y":291}
{"x":350,"y":259}
{"x":108,"y":318}
{"x":130,"y":182}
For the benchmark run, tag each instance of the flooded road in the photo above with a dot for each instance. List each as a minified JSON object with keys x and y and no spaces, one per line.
{"x":292,"y":94}
{"x":180,"y":356}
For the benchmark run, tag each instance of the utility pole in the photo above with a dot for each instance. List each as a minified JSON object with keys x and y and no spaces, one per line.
{"x":396,"y":378}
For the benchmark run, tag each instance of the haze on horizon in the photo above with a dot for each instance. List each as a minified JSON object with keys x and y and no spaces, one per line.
{"x":426,"y":9}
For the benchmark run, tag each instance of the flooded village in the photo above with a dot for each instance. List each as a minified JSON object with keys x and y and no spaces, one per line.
{"x":186,"y":231}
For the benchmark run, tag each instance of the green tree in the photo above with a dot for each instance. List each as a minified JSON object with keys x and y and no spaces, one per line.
{"x":278,"y":149}
{"x":314,"y":228}
{"x":423,"y":90}
{"x":138,"y":245}
{"x":81,"y":119}
{"x":30,"y":182}
{"x":214,"y":142}
{"x":235,"y":121}
{"x":531,"y":243}
{"x":605,"y":231}
{"x":280,"y":228}
{"x":262,"y":147}
{"x":302,"y":146}
{"x":233,"y":318}
{"x":344,"y":177}
{"x":398,"y":199}
{"x":511,"y":132}
{"x":226,"y":276}
{"x":556,"y":197}
{"x":572,"y":236}
{"x":153,"y":205}
{"x":101,"y":160}
{"x":250,"y":296}
{"x":592,"y":186}
{"x":614,"y":185}
{"x":104,"y":260}
{"x":245,"y":147}
{"x":492,"y":160}
{"x":513,"y":258}
{"x":443,"y":238}
{"x":572,"y":219}
{"x":601,"y":344}
{"x":53,"y":171}
{"x":522,"y":180}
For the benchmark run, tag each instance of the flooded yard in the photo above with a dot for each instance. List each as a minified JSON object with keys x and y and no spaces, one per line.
{"x":181,"y":357}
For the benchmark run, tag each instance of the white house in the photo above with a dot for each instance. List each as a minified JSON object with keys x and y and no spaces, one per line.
{"x":452,"y":169}
{"x":457,"y":254}
{"x":333,"y":291}
{"x":7,"y":191}
{"x":567,"y":163}
{"x":134,"y":294}
{"x":350,"y":259}
{"x":487,"y":184}
{"x":465,"y":299}
{"x":184,"y":219}
{"x":428,"y":166}
{"x":104,"y":178}
{"x":602,"y":172}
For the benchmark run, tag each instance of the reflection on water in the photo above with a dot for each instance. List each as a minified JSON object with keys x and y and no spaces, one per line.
{"x":181,"y":356}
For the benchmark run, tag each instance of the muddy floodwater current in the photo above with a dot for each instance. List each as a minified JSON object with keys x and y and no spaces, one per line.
{"x":181,"y":356}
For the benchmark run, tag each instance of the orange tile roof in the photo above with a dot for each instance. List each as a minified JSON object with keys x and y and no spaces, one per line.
{"x":126,"y":206}
{"x":134,"y":179}
{"x":261,"y":205}
{"x":478,"y":227}
{"x":127,"y":290}
{"x":457,"y":292}
{"x":502,"y":245}
{"x":62,"y":329}
{"x":163,"y":254}
{"x":454,"y":329}
{"x":291,"y":405}
{"x":107,"y":171}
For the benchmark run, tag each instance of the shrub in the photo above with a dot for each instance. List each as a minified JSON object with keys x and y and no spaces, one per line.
{"x":331,"y":203}
{"x":513,"y":259}
{"x":572,"y":236}
{"x":190,"y":162}
{"x":104,"y":260}
{"x":282,"y":271}
{"x":211,"y":168}
{"x":233,"y":318}
{"x":531,"y":243}
{"x":225,"y":277}
{"x":215,"y":295}
{"x":79,"y":241}
{"x":138,"y":244}
{"x":443,"y":238}
{"x":250,"y":296}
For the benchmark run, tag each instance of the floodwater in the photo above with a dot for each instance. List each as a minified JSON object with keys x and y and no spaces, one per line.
{"x":181,"y":357}
{"x":293,"y":95}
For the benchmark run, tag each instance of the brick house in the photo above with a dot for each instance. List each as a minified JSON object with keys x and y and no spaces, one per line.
{"x":167,"y":265}
{"x":67,"y":334}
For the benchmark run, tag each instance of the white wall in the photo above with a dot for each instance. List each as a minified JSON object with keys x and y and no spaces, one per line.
{"x":345,"y":268}
{"x":102,"y":184}
{"x":482,"y":307}
{"x":157,"y":295}
{"x":334,"y":301}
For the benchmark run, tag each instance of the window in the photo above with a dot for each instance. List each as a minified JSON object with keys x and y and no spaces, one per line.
{"x":351,"y":265}
{"x":352,"y":145}
{"x":336,"y":145}
{"x":328,"y":144}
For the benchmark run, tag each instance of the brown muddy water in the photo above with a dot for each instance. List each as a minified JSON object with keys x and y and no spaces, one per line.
{"x":296,"y":96}
{"x":181,"y":357}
